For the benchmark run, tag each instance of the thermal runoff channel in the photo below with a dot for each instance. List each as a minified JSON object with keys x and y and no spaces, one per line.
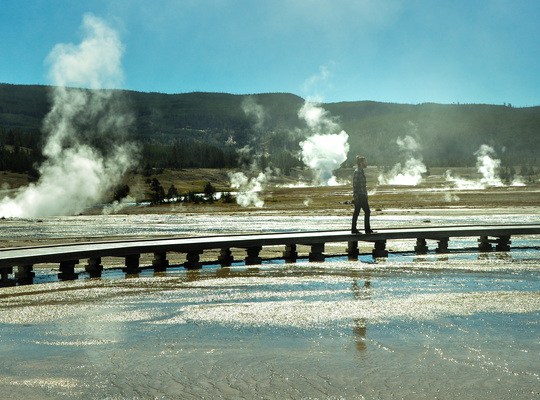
{"x":86,"y":152}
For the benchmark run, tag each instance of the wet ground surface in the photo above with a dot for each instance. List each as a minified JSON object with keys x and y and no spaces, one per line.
{"x":461,"y":328}
{"x":462,"y":325}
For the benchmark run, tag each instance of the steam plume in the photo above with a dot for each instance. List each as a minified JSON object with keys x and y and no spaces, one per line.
{"x":75,"y":173}
{"x":249,"y":188}
{"x":488,"y":166}
{"x":252,"y":181}
{"x":252,"y":109}
{"x":409,"y":173}
{"x":326,"y":146}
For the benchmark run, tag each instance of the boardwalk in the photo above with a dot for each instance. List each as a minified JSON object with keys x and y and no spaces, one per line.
{"x":69,"y":255}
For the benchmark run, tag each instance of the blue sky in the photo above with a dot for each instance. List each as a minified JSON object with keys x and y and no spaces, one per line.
{"x":404,"y":51}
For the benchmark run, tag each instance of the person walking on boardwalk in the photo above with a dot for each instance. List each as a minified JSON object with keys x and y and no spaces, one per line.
{"x":360,"y":196}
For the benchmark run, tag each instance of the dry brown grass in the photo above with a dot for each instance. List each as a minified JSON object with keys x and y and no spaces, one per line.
{"x":12,"y":180}
{"x":434,"y":192}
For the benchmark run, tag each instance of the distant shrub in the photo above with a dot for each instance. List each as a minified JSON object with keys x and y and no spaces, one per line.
{"x":227,"y":197}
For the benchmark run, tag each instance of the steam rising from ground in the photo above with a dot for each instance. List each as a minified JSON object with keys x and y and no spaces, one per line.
{"x":409,"y":173}
{"x":253,"y":109}
{"x":249,"y":188}
{"x":323,"y":149}
{"x":488,"y":166}
{"x":250,"y":182}
{"x":326,"y":147}
{"x":76,"y":174}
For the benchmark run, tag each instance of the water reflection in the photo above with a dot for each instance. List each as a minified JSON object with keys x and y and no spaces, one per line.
{"x":193,"y":275}
{"x":422,"y":258}
{"x":286,"y":331}
{"x":498,"y":255}
{"x":359,"y":331}
{"x":361,"y":292}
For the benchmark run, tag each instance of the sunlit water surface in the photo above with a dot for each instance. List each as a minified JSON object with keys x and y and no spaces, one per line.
{"x":452,"y":326}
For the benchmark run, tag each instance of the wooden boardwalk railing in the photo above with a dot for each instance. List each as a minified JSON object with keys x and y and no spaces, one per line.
{"x":69,"y":255}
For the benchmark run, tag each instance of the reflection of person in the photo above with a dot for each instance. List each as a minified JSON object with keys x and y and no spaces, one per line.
{"x":360,"y":196}
{"x":360,"y":324}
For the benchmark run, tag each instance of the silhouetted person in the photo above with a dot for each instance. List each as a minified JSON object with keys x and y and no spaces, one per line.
{"x":360,"y":196}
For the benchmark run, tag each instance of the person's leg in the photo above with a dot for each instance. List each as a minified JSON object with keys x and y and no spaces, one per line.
{"x":367,"y":215}
{"x":356,"y":212}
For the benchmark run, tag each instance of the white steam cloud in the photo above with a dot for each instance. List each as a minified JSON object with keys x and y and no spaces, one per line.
{"x":75,"y":174}
{"x":410,"y":172}
{"x":488,"y":167}
{"x":118,"y":205}
{"x":315,"y":83}
{"x":253,"y":109}
{"x":249,"y":183}
{"x":249,"y":188}
{"x":323,"y":150}
{"x":326,"y":147}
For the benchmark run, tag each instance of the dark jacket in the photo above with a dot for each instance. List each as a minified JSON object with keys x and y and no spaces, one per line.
{"x":359,"y":183}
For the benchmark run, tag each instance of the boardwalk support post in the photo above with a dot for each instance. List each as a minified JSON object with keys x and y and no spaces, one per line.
{"x":132,"y":264}
{"x":252,"y":257}
{"x":421,"y":246}
{"x":16,"y":264}
{"x":379,"y":250}
{"x":25,"y":274}
{"x":317,"y":252}
{"x":193,"y":260}
{"x":503,"y":243}
{"x":442,"y":246}
{"x":352,"y":251}
{"x":484,"y":245}
{"x":94,"y":267}
{"x":160,"y":262}
{"x":67,"y":270}
{"x":225,"y":257}
{"x":4,"y":277}
{"x":290,"y":254}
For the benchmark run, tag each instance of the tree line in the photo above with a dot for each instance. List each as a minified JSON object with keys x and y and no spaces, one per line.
{"x":158,"y":195}
{"x":185,"y":153}
{"x":207,"y":129}
{"x":20,"y":151}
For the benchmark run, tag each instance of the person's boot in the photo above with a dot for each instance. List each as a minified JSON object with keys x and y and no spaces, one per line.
{"x":354,"y":221}
{"x":367,"y":225}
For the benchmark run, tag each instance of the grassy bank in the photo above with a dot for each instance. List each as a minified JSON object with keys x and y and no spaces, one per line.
{"x":284,"y":194}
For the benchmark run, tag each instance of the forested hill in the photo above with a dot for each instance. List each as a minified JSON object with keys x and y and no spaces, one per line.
{"x":448,"y":134}
{"x":23,"y":107}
